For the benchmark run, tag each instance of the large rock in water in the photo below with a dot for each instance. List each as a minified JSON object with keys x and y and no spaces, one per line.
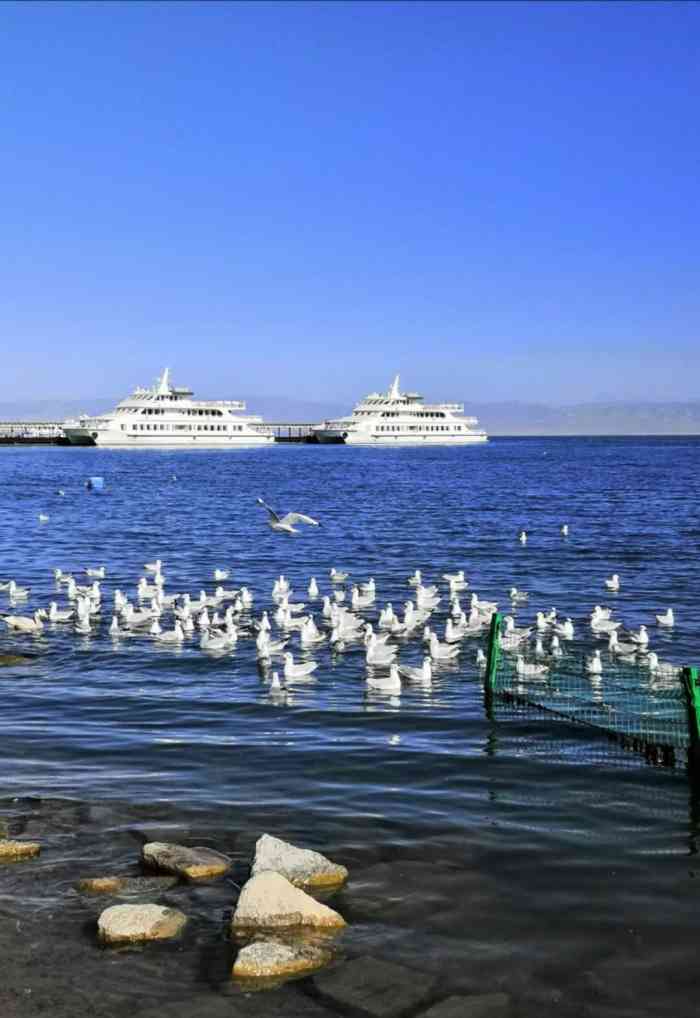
{"x":301,"y":866}
{"x":132,"y":924}
{"x":269,"y":901}
{"x":267,"y":959}
{"x":191,"y":863}
{"x":10,"y":851}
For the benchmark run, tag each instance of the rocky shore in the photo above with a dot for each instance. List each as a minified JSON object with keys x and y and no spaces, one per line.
{"x":151,"y":913}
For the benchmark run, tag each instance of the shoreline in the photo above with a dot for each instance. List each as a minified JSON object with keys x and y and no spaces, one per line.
{"x":452,"y":915}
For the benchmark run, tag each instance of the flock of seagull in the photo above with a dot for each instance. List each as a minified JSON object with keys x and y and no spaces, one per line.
{"x":338,"y":620}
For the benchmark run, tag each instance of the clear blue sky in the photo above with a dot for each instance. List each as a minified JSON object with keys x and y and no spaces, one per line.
{"x":499,"y":200}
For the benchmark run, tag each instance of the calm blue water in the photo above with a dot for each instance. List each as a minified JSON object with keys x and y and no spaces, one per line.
{"x":544,"y":811}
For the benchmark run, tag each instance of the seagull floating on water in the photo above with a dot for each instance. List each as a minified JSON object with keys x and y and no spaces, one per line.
{"x":300,"y":671}
{"x":667,"y":619}
{"x":524,"y":667}
{"x":641,"y":638}
{"x":661,"y":667}
{"x":24,"y":623}
{"x":423,"y":674}
{"x":390,"y":683}
{"x":613,"y":582}
{"x":593,"y":663}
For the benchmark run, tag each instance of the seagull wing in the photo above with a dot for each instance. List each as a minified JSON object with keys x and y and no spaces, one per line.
{"x":271,"y":511}
{"x":293,"y":518}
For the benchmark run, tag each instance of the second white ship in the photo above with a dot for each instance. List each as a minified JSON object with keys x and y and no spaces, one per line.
{"x":402,"y":418}
{"x":167,"y":415}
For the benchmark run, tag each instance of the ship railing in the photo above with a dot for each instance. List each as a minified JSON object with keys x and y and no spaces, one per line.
{"x":455,"y":408}
{"x":232,"y":404}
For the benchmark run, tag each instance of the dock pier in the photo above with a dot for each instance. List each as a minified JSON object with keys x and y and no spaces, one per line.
{"x":51,"y":432}
{"x":301,"y":433}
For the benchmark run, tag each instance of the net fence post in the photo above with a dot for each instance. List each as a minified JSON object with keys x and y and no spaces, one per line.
{"x":689,"y":681}
{"x":494,"y":652}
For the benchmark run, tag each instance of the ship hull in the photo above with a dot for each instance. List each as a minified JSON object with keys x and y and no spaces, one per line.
{"x":329,"y":436}
{"x":112,"y":440}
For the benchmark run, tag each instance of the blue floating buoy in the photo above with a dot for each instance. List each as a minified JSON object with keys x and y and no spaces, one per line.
{"x":95,"y":483}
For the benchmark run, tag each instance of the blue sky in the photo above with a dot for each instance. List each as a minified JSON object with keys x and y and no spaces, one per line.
{"x":498,"y":200}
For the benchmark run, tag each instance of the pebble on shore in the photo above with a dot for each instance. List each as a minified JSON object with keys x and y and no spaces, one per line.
{"x":269,"y":901}
{"x":10,"y":851}
{"x":191,"y":863}
{"x":132,"y":924}
{"x":301,"y":866}
{"x":271,"y":958}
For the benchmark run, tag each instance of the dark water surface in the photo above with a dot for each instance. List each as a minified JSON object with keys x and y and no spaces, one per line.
{"x":503,"y":852}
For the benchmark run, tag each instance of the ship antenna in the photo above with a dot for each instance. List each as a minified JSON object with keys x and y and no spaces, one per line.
{"x":394,"y":392}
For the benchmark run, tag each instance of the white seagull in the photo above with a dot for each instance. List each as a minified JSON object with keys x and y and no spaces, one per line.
{"x":423,"y":674}
{"x":525,"y":668}
{"x":285,"y":524}
{"x":593,"y":663}
{"x":661,"y":667}
{"x":300,"y":671}
{"x":25,"y":624}
{"x":390,"y":683}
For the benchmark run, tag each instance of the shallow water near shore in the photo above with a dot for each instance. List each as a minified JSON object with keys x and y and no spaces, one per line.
{"x":487,"y":850}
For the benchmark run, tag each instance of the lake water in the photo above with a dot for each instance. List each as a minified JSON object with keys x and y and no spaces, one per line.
{"x":493,"y":852}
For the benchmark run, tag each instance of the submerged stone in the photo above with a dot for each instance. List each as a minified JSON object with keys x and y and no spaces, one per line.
{"x":8,"y":660}
{"x":372,"y":987}
{"x":13,"y":850}
{"x":126,"y":885}
{"x":267,"y":959}
{"x":191,"y":863}
{"x":269,"y":900}
{"x":131,"y":924}
{"x":301,"y":866}
{"x":481,"y":1005}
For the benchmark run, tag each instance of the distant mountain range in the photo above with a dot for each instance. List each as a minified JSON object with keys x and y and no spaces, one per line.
{"x":600,"y":418}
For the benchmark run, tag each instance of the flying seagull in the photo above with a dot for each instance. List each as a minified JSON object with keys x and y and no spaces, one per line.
{"x":285,"y":524}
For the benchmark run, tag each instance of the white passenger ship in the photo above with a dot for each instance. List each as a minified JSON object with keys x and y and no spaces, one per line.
{"x":402,"y":418}
{"x":167,"y":415}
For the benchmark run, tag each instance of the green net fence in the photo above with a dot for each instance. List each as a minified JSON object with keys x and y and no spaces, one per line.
{"x":644,"y":710}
